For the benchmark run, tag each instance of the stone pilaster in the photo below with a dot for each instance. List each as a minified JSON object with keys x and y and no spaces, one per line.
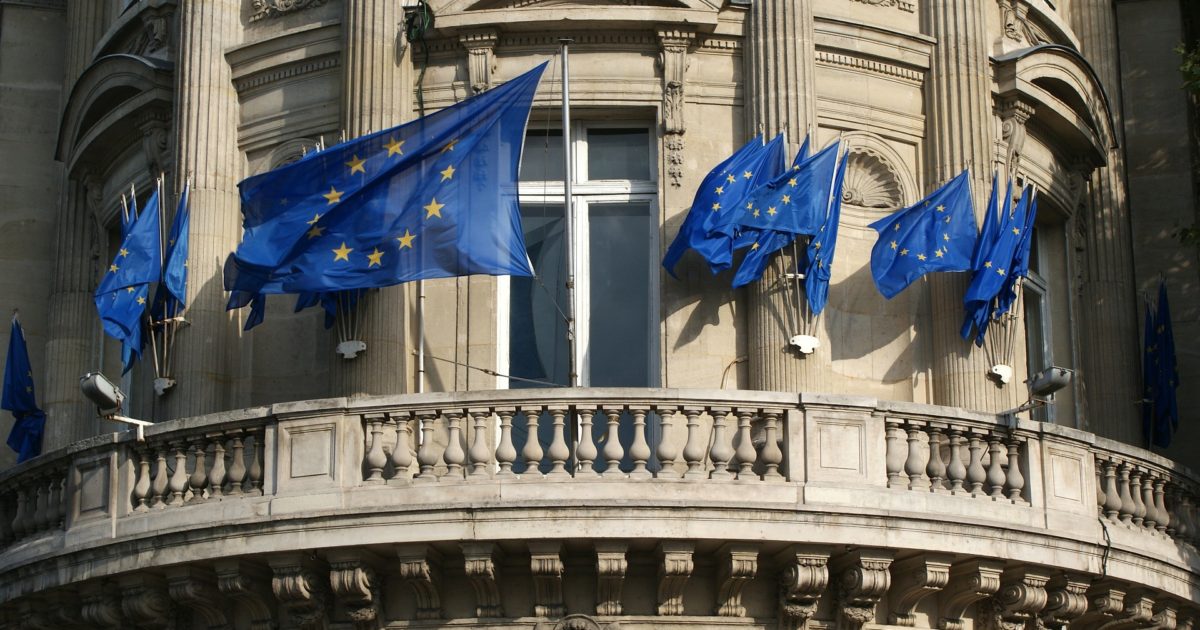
{"x":206,"y":120}
{"x":959,"y":126}
{"x":780,"y":72}
{"x":1107,"y":297}
{"x":375,"y":95}
{"x":86,"y":22}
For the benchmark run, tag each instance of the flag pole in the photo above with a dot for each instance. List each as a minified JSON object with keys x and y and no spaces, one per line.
{"x":420,"y":336}
{"x":149,"y":313}
{"x":569,"y":213}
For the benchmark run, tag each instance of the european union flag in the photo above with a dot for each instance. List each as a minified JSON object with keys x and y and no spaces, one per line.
{"x":1150,"y":363}
{"x":993,"y":264}
{"x":936,"y":234}
{"x":174,"y":279}
{"x":26,"y":435}
{"x":763,"y":243}
{"x":1020,"y":264}
{"x":723,"y":235}
{"x":123,"y":293}
{"x":796,"y":201}
{"x":822,"y":246}
{"x":433,"y":198}
{"x":1165,"y":419}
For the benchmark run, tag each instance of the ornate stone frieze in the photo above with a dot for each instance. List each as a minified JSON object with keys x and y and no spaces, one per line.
{"x":673,"y":63}
{"x":915,"y":579}
{"x":546,"y":566}
{"x":882,"y":68}
{"x":1021,"y":597}
{"x":260,"y":9}
{"x":737,"y":563}
{"x":301,"y":589}
{"x":1066,"y":600}
{"x":802,"y":582}
{"x":356,"y":585}
{"x":481,"y":58}
{"x":863,"y":579}
{"x":248,"y":585}
{"x":673,"y":574}
{"x":288,"y":71}
{"x":970,"y":581}
{"x":482,"y":570}
{"x":902,"y":5}
{"x":420,"y":568}
{"x":610,"y":576}
{"x":196,"y":588}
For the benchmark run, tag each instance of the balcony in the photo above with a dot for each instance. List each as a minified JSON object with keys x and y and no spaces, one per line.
{"x":637,"y":508}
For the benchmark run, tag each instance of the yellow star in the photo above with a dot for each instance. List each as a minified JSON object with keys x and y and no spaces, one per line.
{"x":817,"y":245}
{"x":787,"y":199}
{"x":333,"y":196}
{"x":393,"y":147}
{"x":342,"y":253}
{"x":124,"y":252}
{"x":730,"y":178}
{"x":749,"y":205}
{"x":129,"y":289}
{"x":792,"y":182}
{"x":315,"y":232}
{"x":921,"y":256}
{"x":941,"y":208}
{"x":1000,"y":271}
{"x":896,"y":228}
{"x":375,"y":258}
{"x":895,"y":244}
{"x":754,"y":246}
{"x":448,"y":173}
{"x":987,"y":264}
{"x":772,"y":211}
{"x":939,"y":253}
{"x":113,"y":268}
{"x":141,"y":300}
{"x":747,"y":174}
{"x":904,"y":252}
{"x":450,"y":146}
{"x":357,"y":165}
{"x":312,"y":221}
{"x":1016,"y":231}
{"x":720,"y":190}
{"x":757,"y":214}
{"x":945,"y":237}
{"x":947,"y":219}
{"x":407,"y":239}
{"x":434,"y":209}
{"x":716,"y":207}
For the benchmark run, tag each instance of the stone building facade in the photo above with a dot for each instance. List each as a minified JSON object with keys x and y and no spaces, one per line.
{"x":705,"y":475}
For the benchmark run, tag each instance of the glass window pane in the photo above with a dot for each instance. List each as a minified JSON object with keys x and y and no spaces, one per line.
{"x":542,"y":159}
{"x":537,"y":332}
{"x":619,"y":324}
{"x":618,"y":154}
{"x":1035,"y":252}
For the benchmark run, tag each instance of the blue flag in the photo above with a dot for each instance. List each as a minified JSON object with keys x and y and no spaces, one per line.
{"x":822,"y":246}
{"x":993,"y":268}
{"x":1020,"y":263}
{"x":175,"y":269}
{"x":977,"y":314}
{"x":123,"y":294}
{"x":1150,"y":363}
{"x":936,"y":234}
{"x":433,"y":198}
{"x":26,"y":435}
{"x":796,"y":201}
{"x":1166,"y":374}
{"x":723,"y":235}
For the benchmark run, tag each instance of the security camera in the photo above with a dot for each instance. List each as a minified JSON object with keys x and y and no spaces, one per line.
{"x":1049,"y":380}
{"x":103,"y":393}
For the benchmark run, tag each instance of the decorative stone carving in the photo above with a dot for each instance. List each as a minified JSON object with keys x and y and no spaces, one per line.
{"x":673,"y":574}
{"x":144,"y":600}
{"x":1014,"y":15}
{"x":156,"y":142}
{"x":420,"y":568}
{"x":481,"y":60}
{"x":102,"y":605}
{"x":1014,"y":113}
{"x":802,"y":582}
{"x":915,"y":579}
{"x":737,"y":564}
{"x":246,"y":584}
{"x":970,"y":581}
{"x":353,"y":577}
{"x":546,"y":566}
{"x":673,"y":62}
{"x":300,"y":588}
{"x":1164,"y":615}
{"x":1021,"y":597}
{"x":260,"y":9}
{"x":871,"y":180}
{"x":576,"y":622}
{"x":1066,"y":600}
{"x":155,"y":36}
{"x":484,"y":575}
{"x":863,"y":579}
{"x":903,"y":5}
{"x":610,"y":576}
{"x":196,"y":588}
{"x":1136,"y":610}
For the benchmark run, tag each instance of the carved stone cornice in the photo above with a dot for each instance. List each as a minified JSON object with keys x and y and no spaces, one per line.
{"x":611,"y":565}
{"x":546,"y":566}
{"x":915,"y":579}
{"x":482,"y":570}
{"x":1066,"y":600}
{"x":737,"y":563}
{"x":196,"y":588}
{"x":863,"y":579}
{"x":144,"y":600}
{"x":481,"y":59}
{"x":674,"y":43}
{"x":1021,"y":597}
{"x":673,"y":573}
{"x":301,"y":589}
{"x":260,"y":9}
{"x":802,"y":582}
{"x":248,"y":585}
{"x":970,"y":581}
{"x":354,"y":580}
{"x":420,"y":568}
{"x":873,"y":66}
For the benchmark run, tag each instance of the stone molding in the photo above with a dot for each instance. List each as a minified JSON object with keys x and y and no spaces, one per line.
{"x":881,"y":68}
{"x":288,"y":71}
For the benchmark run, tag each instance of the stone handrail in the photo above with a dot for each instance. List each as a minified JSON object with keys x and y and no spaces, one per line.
{"x":934,"y":462}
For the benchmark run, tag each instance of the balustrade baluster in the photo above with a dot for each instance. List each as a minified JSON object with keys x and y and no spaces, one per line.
{"x":402,"y":454}
{"x":667,"y":449}
{"x":1127,"y":503}
{"x":897,"y":454}
{"x":6,"y":513}
{"x":721,"y":451}
{"x":237,"y":463}
{"x":585,"y":451}
{"x":558,"y":451}
{"x":995,"y":470}
{"x":255,"y":474}
{"x":1163,"y":517}
{"x":532,"y":451}
{"x":41,"y":516}
{"x":481,"y":455}
{"x":772,"y":455}
{"x":58,"y":507}
{"x":199,"y":477}
{"x":216,"y":474}
{"x":956,"y":472}
{"x":976,"y":474}
{"x":454,"y":456}
{"x":1187,"y":518}
{"x":18,"y":522}
{"x":1135,"y":493}
{"x":914,"y":466}
{"x":178,"y":483}
{"x":612,"y":443}
{"x":745,"y":446}
{"x":639,"y":450}
{"x":1100,"y":496}
{"x":141,"y":488}
{"x":1015,"y":481}
{"x":427,"y":455}
{"x":506,"y":453}
{"x":936,"y":469}
{"x":161,"y":484}
{"x":375,"y":459}
{"x":693,"y":451}
{"x":1112,"y":495}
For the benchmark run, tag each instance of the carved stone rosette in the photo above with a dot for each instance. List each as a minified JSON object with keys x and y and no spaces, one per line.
{"x":802,"y":582}
{"x":863,"y":579}
{"x":673,"y":62}
{"x":673,"y":574}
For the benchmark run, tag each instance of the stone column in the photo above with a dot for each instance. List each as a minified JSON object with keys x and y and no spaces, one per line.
{"x":375,"y":94}
{"x":959,"y":134}
{"x":1107,"y":298}
{"x":780,"y":97}
{"x":206,"y":120}
{"x":86,"y":22}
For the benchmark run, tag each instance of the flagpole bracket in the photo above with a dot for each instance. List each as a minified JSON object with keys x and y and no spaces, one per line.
{"x":1001,"y":374}
{"x":163,"y":384}
{"x":806,"y":344}
{"x":349,"y":349}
